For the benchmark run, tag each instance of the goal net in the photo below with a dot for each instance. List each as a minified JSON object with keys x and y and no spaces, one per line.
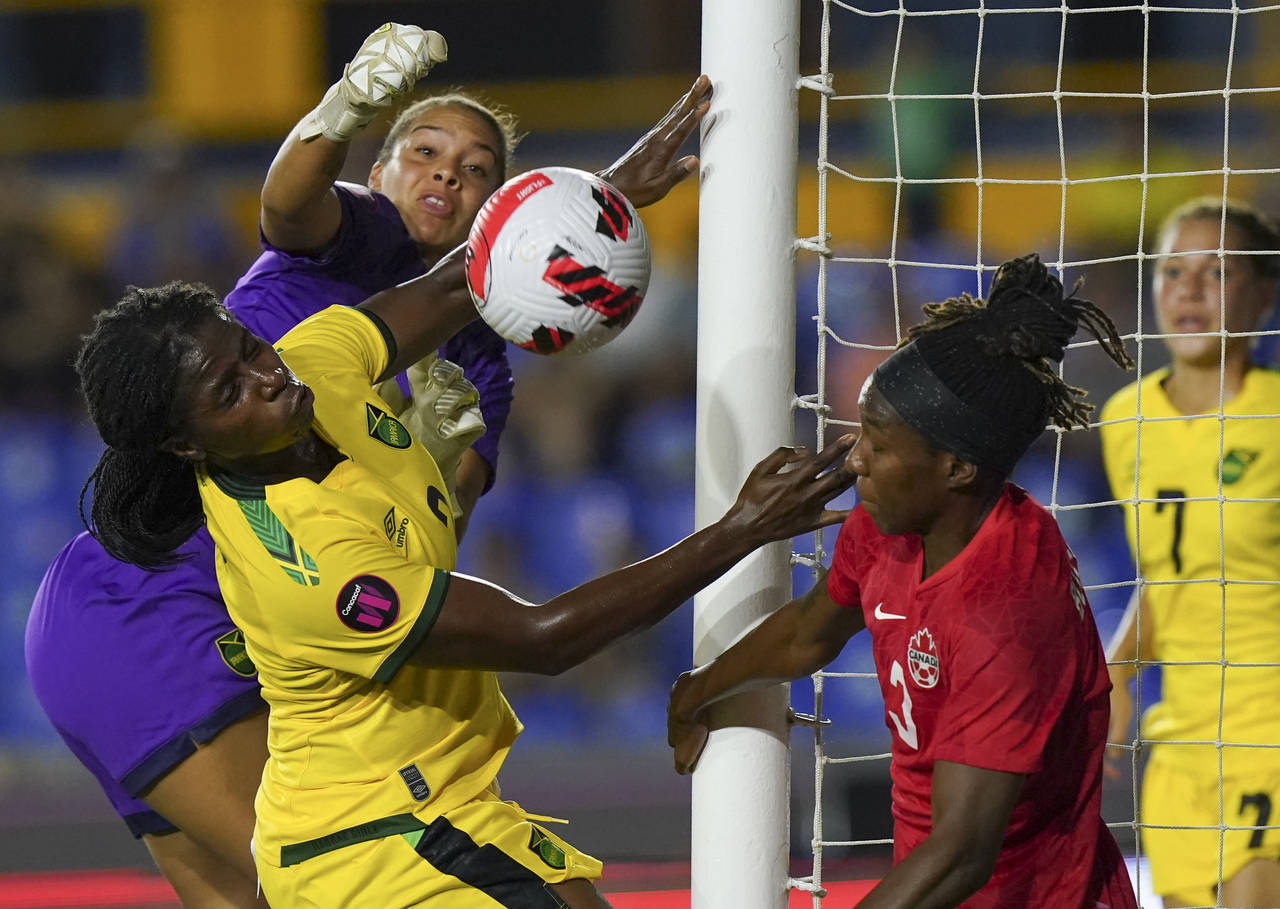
{"x":939,"y":139}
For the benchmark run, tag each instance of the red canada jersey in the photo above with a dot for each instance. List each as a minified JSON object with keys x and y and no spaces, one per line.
{"x":994,"y":661}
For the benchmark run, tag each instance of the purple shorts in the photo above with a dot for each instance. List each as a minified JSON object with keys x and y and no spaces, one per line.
{"x":136,"y":668}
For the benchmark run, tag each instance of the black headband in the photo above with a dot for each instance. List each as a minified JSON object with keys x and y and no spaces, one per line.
{"x":930,"y":408}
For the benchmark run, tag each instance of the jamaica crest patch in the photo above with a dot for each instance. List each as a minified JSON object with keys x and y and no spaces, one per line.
{"x":546,"y":849}
{"x":386,"y":428}
{"x":232,"y":650}
{"x":1236,"y":462}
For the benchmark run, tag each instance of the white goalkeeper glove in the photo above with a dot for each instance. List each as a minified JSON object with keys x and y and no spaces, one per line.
{"x":444,"y":413}
{"x":382,"y":72}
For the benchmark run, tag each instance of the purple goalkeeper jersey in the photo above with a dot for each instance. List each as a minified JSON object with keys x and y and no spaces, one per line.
{"x":371,"y":253}
{"x":136,"y":668}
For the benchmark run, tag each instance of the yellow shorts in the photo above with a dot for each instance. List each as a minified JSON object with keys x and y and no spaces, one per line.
{"x":481,"y":855}
{"x":1184,"y":863}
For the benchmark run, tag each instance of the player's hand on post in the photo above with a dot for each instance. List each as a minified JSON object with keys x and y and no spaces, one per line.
{"x":443,"y":413}
{"x":384,"y":70}
{"x":648,"y":170}
{"x":786,"y":493}
{"x":687,"y":729}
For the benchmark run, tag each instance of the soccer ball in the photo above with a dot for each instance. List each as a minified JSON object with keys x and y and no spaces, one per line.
{"x":557,"y":260}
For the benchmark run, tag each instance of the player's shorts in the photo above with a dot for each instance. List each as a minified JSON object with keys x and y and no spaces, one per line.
{"x":136,"y":669}
{"x":1184,"y":863}
{"x":484,"y":854}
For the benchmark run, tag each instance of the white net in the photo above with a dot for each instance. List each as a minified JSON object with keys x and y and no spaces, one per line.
{"x":952,"y":137}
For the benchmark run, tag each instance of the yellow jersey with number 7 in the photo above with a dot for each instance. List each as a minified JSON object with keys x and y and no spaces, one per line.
{"x":1202,"y":512}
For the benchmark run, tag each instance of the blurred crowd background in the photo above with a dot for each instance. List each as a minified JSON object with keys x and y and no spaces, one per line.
{"x":134,"y":136}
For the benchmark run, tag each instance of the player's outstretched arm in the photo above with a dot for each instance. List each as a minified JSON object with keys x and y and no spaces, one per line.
{"x":481,"y":626}
{"x":424,"y":313}
{"x":971,"y":809}
{"x":300,"y":211}
{"x":649,"y":169}
{"x":797,"y":640}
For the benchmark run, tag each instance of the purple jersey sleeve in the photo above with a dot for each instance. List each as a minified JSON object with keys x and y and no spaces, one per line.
{"x":136,"y":668}
{"x":371,"y":252}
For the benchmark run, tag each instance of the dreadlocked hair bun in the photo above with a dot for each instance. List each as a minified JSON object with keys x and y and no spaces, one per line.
{"x":1026,"y":314}
{"x":145,"y":500}
{"x":996,"y":355}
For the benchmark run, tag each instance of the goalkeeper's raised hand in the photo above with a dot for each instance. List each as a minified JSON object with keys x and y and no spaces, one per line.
{"x":443,"y":414}
{"x":384,"y":70}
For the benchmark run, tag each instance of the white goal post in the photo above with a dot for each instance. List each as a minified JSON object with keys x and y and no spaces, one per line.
{"x":745,"y":392}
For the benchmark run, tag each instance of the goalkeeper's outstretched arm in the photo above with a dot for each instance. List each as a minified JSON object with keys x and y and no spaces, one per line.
{"x":300,"y":211}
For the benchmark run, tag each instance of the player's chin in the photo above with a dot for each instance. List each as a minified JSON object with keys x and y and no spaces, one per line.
{"x":434,"y":236}
{"x":884,"y":522}
{"x":295,"y":425}
{"x":862,"y":486}
{"x":1199,"y":351}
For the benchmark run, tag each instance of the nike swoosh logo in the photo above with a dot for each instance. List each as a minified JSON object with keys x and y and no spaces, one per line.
{"x":881,"y":614}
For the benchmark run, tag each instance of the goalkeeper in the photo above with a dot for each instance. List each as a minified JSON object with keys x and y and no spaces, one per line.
{"x":327,"y":241}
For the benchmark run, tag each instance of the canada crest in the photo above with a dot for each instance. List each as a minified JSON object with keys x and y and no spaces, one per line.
{"x":922,"y":659}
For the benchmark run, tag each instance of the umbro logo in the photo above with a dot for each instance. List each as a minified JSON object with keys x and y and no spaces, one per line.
{"x":881,"y":614}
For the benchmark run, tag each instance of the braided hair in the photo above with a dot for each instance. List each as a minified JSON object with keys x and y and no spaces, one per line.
{"x":145,"y":500}
{"x":977,"y":377}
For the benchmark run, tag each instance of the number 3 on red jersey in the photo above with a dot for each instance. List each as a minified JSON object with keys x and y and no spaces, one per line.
{"x":906,"y":726}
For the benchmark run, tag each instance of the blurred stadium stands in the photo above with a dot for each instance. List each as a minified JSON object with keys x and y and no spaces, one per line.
{"x":134,"y":135}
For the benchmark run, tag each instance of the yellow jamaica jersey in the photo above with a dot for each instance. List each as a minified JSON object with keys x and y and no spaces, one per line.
{"x":1211,"y":566}
{"x":334,"y":585}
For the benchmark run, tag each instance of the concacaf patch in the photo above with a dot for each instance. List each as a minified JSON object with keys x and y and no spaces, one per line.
{"x":547,"y":849}
{"x":922,"y":659}
{"x":368,"y":603}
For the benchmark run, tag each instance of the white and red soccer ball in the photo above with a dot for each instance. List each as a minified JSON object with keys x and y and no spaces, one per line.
{"x":557,"y":260}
